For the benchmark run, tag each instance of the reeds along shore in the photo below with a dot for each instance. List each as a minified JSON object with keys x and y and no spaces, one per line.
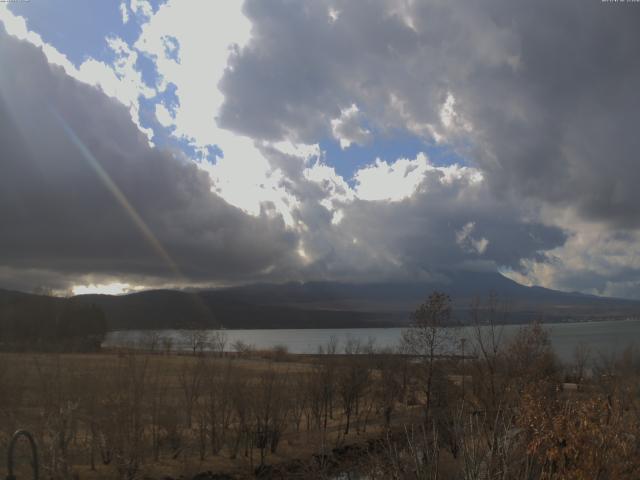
{"x":502,"y":414}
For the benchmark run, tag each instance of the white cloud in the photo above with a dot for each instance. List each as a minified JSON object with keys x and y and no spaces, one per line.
{"x":468,"y":243}
{"x":124,"y":12}
{"x":594,"y":259}
{"x":243,"y":177}
{"x":196,"y":27}
{"x":447,"y":112}
{"x":334,"y":188}
{"x":142,"y":8}
{"x":334,"y":14}
{"x":163,"y":115}
{"x":304,"y":151}
{"x":455,"y":126}
{"x":391,"y":181}
{"x":464,"y":232}
{"x":348,"y":129}
{"x":115,"y":288}
{"x":480,"y":245}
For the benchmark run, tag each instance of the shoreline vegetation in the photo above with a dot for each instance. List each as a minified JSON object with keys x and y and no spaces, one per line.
{"x":505,"y":408}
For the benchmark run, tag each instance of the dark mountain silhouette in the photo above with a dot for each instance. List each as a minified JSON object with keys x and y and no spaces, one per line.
{"x":396,"y":296}
{"x":335,"y":304}
{"x":41,"y":322}
{"x":229,"y":308}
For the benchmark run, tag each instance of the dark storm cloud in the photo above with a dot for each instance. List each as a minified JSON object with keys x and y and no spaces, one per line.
{"x":562,"y":126}
{"x":424,"y":232}
{"x":59,"y":215}
{"x":550,"y":88}
{"x":300,"y":69}
{"x":417,"y":236}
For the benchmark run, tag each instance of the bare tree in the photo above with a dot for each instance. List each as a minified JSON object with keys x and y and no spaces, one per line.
{"x":581,"y":358}
{"x":218,"y":342}
{"x":299,"y":397}
{"x":270,"y":408}
{"x":197,"y":341}
{"x":331,"y":348}
{"x":219,"y":409}
{"x":90,"y":411}
{"x":529,"y":357}
{"x":388,"y":385}
{"x":429,"y":336}
{"x":241,"y":401}
{"x":321,"y":388}
{"x":124,"y":416}
{"x":156,"y":404}
{"x":150,"y":341}
{"x":191,"y":379}
{"x":243,"y":348}
{"x":60,"y":396}
{"x":352,"y":380}
{"x":167,"y":344}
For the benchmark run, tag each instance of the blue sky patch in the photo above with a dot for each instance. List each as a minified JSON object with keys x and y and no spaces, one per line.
{"x":62,"y":22}
{"x":147,"y":68}
{"x":386,"y":147}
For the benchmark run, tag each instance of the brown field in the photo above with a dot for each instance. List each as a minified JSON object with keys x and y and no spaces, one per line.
{"x":133,"y":414}
{"x":509,"y":412}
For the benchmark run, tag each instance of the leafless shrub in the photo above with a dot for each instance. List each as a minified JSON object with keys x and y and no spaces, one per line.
{"x":412,"y":455}
{"x":243,"y":348}
{"x":150,"y":341}
{"x":191,"y":378}
{"x":197,"y":341}
{"x":270,"y":409}
{"x":218,"y":342}
{"x":331,"y":348}
{"x":388,"y":386}
{"x":156,"y":404}
{"x":167,"y":344}
{"x":298,"y":398}
{"x":59,"y":390}
{"x":351,"y":382}
{"x":219,"y":407}
{"x":123,"y":422}
{"x":280,"y":353}
{"x":581,"y":359}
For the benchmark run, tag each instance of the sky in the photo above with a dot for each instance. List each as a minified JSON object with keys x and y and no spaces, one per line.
{"x":173,"y":144}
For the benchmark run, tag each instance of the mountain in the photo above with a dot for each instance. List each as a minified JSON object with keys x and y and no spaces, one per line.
{"x":392,"y":302}
{"x":230,"y":308}
{"x":336,"y":304}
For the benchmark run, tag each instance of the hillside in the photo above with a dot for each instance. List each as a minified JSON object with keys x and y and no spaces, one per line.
{"x":332,"y":304}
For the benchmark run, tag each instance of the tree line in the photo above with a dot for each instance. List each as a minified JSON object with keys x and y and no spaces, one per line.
{"x":43,"y":323}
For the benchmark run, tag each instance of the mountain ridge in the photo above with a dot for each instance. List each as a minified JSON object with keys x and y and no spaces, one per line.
{"x":324,"y":304}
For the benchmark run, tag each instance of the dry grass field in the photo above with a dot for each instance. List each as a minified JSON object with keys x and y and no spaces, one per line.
{"x":510,"y":411}
{"x":126,"y":414}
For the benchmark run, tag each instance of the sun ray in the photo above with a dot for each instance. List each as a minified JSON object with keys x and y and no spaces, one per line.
{"x":119,"y":196}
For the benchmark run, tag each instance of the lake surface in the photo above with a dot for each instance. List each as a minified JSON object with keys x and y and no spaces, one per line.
{"x":607,"y":337}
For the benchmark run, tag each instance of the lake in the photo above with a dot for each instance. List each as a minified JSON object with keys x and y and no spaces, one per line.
{"x":606,"y":337}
